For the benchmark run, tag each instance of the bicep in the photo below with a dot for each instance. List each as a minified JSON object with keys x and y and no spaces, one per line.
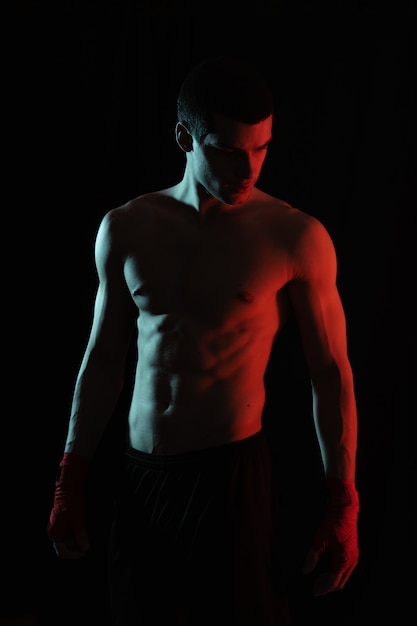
{"x":316,"y":303}
{"x":114,"y":310}
{"x":321,"y":322}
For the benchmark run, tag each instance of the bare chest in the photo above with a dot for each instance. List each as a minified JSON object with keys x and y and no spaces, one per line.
{"x":208,"y":272}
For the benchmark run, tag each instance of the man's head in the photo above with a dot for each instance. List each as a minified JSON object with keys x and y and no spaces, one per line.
{"x":222,"y":85}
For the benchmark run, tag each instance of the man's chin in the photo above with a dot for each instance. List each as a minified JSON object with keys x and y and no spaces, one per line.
{"x":234,"y":198}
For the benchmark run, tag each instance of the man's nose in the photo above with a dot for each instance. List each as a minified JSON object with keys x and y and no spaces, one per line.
{"x":247,"y":166}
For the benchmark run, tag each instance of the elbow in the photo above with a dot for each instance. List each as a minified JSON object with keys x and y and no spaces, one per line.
{"x":333,"y":376}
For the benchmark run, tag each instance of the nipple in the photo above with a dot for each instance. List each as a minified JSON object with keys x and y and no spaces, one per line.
{"x":245,"y":296}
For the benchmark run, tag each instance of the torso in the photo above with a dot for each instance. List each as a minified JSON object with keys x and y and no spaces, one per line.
{"x":211,"y":298}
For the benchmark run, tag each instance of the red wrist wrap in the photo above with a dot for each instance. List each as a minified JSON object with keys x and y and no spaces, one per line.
{"x":73,"y":470}
{"x":68,"y":513}
{"x":338,"y":529}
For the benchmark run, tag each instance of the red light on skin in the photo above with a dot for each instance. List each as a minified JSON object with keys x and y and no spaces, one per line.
{"x":245,"y":296}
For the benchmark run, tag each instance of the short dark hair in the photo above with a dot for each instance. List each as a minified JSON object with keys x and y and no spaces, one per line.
{"x":226,"y":85}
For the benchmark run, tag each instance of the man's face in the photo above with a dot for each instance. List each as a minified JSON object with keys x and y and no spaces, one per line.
{"x":228,"y":161}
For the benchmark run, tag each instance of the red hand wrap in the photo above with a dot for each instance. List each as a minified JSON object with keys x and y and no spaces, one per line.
{"x":338,"y":529}
{"x":68,"y":513}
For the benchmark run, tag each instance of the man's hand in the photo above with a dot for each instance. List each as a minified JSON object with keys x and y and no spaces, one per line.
{"x":336,"y":535}
{"x":67,"y":520}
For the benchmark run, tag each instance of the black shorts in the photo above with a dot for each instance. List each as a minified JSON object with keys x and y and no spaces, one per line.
{"x":192,"y":540}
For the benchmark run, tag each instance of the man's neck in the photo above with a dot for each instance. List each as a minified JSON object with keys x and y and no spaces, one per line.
{"x":196,"y":196}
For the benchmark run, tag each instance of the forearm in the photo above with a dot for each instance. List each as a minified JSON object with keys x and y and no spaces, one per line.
{"x":335,"y":416}
{"x":336,"y":425}
{"x":96,"y":393}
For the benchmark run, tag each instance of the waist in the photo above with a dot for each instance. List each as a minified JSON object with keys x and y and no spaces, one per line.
{"x":238,"y":447}
{"x":202,"y":422}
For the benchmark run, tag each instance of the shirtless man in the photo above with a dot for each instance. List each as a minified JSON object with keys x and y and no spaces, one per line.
{"x":205,"y":274}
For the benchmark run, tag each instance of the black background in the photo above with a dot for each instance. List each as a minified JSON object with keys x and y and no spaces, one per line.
{"x":89,"y":90}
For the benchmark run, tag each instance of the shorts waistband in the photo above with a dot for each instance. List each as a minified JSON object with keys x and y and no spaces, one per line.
{"x":163,"y":460}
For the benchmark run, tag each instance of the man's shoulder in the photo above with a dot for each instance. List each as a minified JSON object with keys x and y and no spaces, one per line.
{"x":139,"y":207}
{"x":286,"y":213}
{"x":300,"y":233}
{"x":140,"y":203}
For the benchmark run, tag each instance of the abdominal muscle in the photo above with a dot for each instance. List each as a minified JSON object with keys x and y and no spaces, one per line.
{"x":194,"y":392}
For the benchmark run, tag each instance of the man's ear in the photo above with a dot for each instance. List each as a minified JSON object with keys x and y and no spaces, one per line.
{"x":183,"y":137}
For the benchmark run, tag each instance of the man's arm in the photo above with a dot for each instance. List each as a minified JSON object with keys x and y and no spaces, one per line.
{"x":101,"y":375}
{"x":322,"y":326}
{"x":97,"y":389}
